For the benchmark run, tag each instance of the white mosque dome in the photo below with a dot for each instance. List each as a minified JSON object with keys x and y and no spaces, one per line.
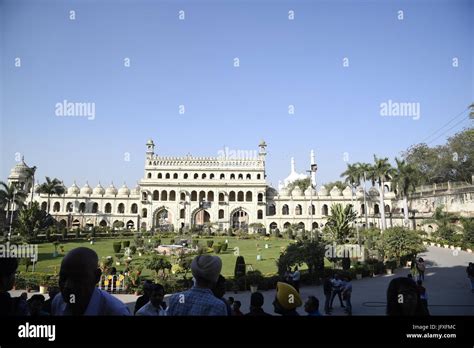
{"x":111,"y":190}
{"x":347,"y":192}
{"x":335,"y":192}
{"x":310,"y":192}
{"x":293,"y":175}
{"x":124,"y":190}
{"x":99,"y":190}
{"x":284,"y":192}
{"x":136,"y":190}
{"x":73,"y":190}
{"x":86,"y":189}
{"x":322,"y":191}
{"x":297,"y":192}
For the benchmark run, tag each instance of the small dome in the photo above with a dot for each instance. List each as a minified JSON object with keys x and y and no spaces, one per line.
{"x":124,"y":190}
{"x":347,"y":192}
{"x":283,"y":192}
{"x":322,"y":191}
{"x":373,"y":191}
{"x":111,"y":190}
{"x":20,"y":170}
{"x":86,"y":189}
{"x":297,"y":192}
{"x":99,"y":190}
{"x":310,"y":192}
{"x":73,"y":190}
{"x":360,"y":192}
{"x":136,"y":190}
{"x":335,"y":192}
{"x":150,"y":142}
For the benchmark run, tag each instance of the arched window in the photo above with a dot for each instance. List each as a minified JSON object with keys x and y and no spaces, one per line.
{"x":175,"y":176}
{"x":311,"y":210}
{"x":69,"y":207}
{"x":82,"y":207}
{"x":182,"y":196}
{"x":182,"y":213}
{"x":260,"y":197}
{"x":167,"y":176}
{"x":249,"y":177}
{"x":221,"y":213}
{"x":248,"y":196}
{"x":298,"y":210}
{"x":241,"y":177}
{"x":196,"y":176}
{"x":203,"y":176}
{"x":376,"y":209}
{"x":210,"y":196}
{"x":202,"y":196}
{"x":231,"y":196}
{"x":286,"y":225}
{"x":324,"y":210}
{"x":285,"y":210}
{"x":160,"y":176}
{"x":156,"y":195}
{"x":144,"y":212}
{"x":144,"y":196}
{"x":240,"y":196}
{"x":387,"y":208}
{"x":362,"y":208}
{"x":271,"y":210}
{"x":44,"y":206}
{"x":211,"y":176}
{"x":258,"y":176}
{"x":194,"y":196}
{"x":56,"y":207}
{"x":134,"y":208}
{"x":222,"y":177}
{"x":121,"y":208}
{"x":232,"y":176}
{"x":164,"y":195}
{"x":221,"y":197}
{"x":149,"y":176}
{"x":172,"y":195}
{"x":260,"y":214}
{"x":108,"y":208}
{"x":95,"y":208}
{"x":185,"y":176}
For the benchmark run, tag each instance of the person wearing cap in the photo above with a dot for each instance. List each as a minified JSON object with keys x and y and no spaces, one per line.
{"x":256,"y":304}
{"x":287,"y":299}
{"x":199,"y":300}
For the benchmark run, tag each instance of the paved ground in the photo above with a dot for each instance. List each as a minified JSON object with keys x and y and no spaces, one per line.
{"x":445,"y":280}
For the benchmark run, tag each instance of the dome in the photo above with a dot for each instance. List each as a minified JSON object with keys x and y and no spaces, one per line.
{"x":335,"y":192}
{"x":322,"y":191}
{"x":73,"y":190}
{"x":136,"y":190}
{"x":19,"y":170}
{"x":310,"y":192}
{"x":124,"y":190}
{"x":347,"y":192}
{"x":297,"y":192}
{"x":360,"y":192}
{"x":99,"y":190}
{"x":373,"y":191}
{"x":293,"y":175}
{"x":111,"y":190}
{"x":86,"y":189}
{"x":150,"y":142}
{"x":284,"y":192}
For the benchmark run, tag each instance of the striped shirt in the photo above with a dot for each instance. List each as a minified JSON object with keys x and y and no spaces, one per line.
{"x":196,"y":302}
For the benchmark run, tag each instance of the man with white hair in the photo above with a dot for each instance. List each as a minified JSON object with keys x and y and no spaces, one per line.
{"x":199,"y":300}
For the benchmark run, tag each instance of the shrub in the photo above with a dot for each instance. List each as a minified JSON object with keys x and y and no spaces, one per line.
{"x":217,"y":248}
{"x":133,"y":250}
{"x":195,"y":243}
{"x":254,"y":278}
{"x":239,"y":270}
{"x":126,"y":243}
{"x":224,"y":247}
{"x":392,"y":264}
{"x":78,"y":233}
{"x":117,"y":247}
{"x":209,"y":243}
{"x":172,"y":241}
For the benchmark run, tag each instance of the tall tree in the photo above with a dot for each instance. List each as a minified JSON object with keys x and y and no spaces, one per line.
{"x":303,"y":184}
{"x":405,"y":179}
{"x":381,"y":172}
{"x":30,"y":175}
{"x":445,"y":222}
{"x":10,"y":194}
{"x":339,"y":223}
{"x":51,"y":187}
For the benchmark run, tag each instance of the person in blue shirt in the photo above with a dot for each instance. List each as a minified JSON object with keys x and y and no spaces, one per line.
{"x":311,"y":306}
{"x":78,"y":277}
{"x":200,"y":300}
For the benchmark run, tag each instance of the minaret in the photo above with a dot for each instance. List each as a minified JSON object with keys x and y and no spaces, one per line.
{"x":314,"y":167}
{"x":150,"y":149}
{"x":262,"y":152}
{"x":293,"y":165}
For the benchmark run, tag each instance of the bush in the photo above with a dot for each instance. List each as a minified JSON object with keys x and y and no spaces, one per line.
{"x":210,"y":243}
{"x":217,"y":248}
{"x":224,"y":247}
{"x":195,"y":243}
{"x":392,"y":264}
{"x":117,"y":247}
{"x":172,"y":241}
{"x":239,"y":270}
{"x":254,"y":278}
{"x":78,"y":233}
{"x":126,"y":243}
{"x":133,"y":250}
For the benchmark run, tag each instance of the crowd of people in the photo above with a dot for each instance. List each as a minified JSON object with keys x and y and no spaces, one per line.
{"x":77,"y":293}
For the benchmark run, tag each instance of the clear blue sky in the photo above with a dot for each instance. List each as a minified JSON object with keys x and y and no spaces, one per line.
{"x":190,"y":62}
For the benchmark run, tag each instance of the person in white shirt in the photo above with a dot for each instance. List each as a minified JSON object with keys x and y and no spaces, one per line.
{"x":296,"y":276}
{"x":336,"y":290}
{"x":154,"y":306}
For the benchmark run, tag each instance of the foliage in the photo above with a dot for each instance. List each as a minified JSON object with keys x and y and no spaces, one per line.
{"x":209,"y":243}
{"x":239,"y":270}
{"x":224,"y":247}
{"x":31,"y":221}
{"x":51,"y":187}
{"x":217,"y":248}
{"x":339,"y":184}
{"x":254,"y":278}
{"x":445,"y":221}
{"x":126,"y":243}
{"x":397,"y":242}
{"x":303,"y":184}
{"x":339,"y":228}
{"x":158,"y":263}
{"x":117,"y":246}
{"x":309,"y":252}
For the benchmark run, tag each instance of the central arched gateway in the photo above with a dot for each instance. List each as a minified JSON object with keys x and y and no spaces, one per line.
{"x":200,"y":217}
{"x":239,"y":219}
{"x":163,"y":219}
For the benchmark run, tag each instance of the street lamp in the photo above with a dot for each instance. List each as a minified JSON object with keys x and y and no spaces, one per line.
{"x":313,"y":169}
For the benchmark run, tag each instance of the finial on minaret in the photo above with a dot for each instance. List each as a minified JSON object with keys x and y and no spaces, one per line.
{"x":150,"y":148}
{"x":292,"y":164}
{"x":262,"y":149}
{"x":314,"y":168}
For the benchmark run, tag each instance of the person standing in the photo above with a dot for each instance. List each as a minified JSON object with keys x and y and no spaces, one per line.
{"x":346,"y":295}
{"x":296,"y":277}
{"x":336,"y":290}
{"x":154,"y":306}
{"x":420,"y":266}
{"x":327,"y":286}
{"x":470,"y":275}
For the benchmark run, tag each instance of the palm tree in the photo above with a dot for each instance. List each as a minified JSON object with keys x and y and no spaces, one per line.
{"x":380,"y":172}
{"x":10,"y":195}
{"x":353,"y":176}
{"x":30,"y":174}
{"x":339,"y":223}
{"x":51,"y":187}
{"x":405,"y":180}
{"x":364,"y":169}
{"x":445,"y":221}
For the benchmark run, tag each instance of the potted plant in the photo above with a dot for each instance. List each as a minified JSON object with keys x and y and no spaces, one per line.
{"x":254,"y":279}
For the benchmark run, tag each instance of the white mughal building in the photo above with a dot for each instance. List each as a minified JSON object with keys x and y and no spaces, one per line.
{"x":177,"y":192}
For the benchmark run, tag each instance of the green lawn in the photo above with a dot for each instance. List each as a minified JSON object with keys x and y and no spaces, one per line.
{"x":246,"y":248}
